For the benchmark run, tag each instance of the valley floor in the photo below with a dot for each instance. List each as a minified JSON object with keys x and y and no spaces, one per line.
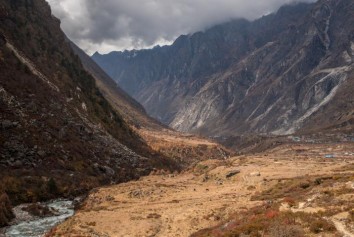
{"x":209,"y":194}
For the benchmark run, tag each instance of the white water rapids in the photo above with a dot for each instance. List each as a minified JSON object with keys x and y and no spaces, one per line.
{"x":40,"y":226}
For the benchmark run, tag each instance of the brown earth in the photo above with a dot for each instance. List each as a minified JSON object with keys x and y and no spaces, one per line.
{"x":202,"y":197}
{"x":185,"y":148}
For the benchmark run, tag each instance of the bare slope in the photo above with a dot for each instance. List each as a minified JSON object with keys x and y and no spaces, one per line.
{"x":59,"y":136}
{"x":276,"y":75}
{"x":184,"y":148}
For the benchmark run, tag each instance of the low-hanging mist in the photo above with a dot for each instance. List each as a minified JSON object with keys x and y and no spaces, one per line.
{"x":118,"y":24}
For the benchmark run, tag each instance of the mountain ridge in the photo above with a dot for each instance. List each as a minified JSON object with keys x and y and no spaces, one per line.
{"x":225,"y":80}
{"x":57,"y":129}
{"x":184,"y":148}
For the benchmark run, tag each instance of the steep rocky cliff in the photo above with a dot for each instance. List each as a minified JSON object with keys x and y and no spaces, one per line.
{"x":133,"y":112}
{"x":184,"y":148}
{"x":58,"y":134}
{"x":279,"y":74}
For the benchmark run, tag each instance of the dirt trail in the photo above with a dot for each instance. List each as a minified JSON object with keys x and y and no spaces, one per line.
{"x":179,"y":205}
{"x":342,"y":229}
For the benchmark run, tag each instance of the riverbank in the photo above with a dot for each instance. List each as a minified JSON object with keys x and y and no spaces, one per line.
{"x":35,"y":220}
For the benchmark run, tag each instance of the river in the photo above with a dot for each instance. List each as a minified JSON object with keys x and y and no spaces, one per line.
{"x":38,"y":227}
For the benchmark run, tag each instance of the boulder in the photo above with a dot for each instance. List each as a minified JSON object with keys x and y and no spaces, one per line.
{"x":232,"y":173}
{"x":256,"y":173}
{"x":6,"y":124}
{"x":109,"y":171}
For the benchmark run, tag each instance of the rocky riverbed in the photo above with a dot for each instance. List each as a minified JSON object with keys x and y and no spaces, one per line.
{"x":30,"y":225}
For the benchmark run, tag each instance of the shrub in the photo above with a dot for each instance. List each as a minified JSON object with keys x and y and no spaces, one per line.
{"x":318,"y":181}
{"x":52,"y":186}
{"x":250,"y":188}
{"x":271,"y":214}
{"x":289,"y":201}
{"x":280,"y":230}
{"x":321,"y":225}
{"x":304,"y":185}
{"x":6,"y":213}
{"x":351,"y":215}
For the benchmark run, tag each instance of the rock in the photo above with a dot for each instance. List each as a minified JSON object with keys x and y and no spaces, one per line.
{"x":6,"y":124}
{"x":109,"y":171}
{"x":198,"y":109}
{"x":136,"y":194}
{"x":109,"y":198}
{"x":350,"y":184}
{"x":18,"y":163}
{"x":38,"y":210}
{"x":232,"y":173}
{"x":205,"y":178}
{"x":41,"y":153}
{"x":253,"y":174}
{"x":62,"y":133}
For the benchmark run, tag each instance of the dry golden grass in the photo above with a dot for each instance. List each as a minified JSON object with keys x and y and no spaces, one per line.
{"x":180,"y":205}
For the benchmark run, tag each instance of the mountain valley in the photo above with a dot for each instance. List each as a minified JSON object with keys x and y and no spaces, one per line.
{"x":211,"y":197}
{"x":243,"y":129}
{"x":59,"y":136}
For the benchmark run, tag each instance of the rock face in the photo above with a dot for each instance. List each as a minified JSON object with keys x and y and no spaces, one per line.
{"x":278,"y":74}
{"x":182,"y":148}
{"x":58,"y":135}
{"x":134,"y":113}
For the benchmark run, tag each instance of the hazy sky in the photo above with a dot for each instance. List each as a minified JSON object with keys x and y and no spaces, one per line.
{"x":111,"y":25}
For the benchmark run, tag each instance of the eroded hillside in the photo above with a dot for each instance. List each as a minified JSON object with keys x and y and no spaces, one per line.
{"x":186,"y":149}
{"x":281,"y":73}
{"x":59,"y":135}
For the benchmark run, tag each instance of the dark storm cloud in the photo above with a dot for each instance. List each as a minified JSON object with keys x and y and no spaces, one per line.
{"x":106,"y":25}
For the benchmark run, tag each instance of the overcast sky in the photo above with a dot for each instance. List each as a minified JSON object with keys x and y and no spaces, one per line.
{"x":112,"y":25}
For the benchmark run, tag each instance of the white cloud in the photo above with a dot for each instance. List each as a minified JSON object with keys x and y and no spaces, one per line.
{"x":107,"y":25}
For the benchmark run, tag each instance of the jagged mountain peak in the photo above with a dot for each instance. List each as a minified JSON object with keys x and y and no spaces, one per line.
{"x":271,"y":75}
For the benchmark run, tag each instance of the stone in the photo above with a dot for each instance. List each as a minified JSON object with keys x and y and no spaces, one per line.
{"x":41,"y":153}
{"x":256,"y":173}
{"x":109,"y":198}
{"x":350,"y":184}
{"x":6,"y":124}
{"x":205,"y":178}
{"x":232,"y":173}
{"x":109,"y":171}
{"x":18,"y":163}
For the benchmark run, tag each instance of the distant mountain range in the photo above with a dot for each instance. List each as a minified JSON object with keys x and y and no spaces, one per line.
{"x":291,"y":71}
